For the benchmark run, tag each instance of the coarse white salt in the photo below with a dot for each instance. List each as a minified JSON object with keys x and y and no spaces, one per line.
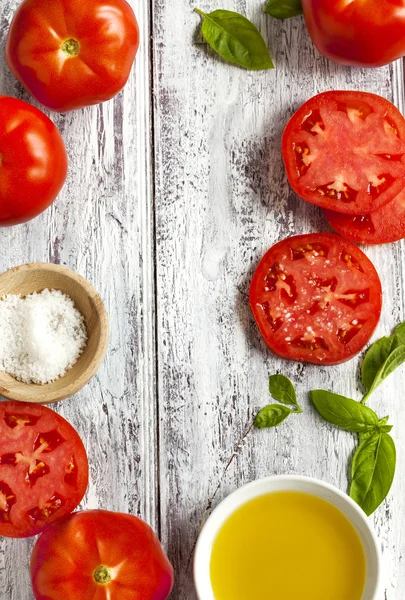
{"x":41,"y":336}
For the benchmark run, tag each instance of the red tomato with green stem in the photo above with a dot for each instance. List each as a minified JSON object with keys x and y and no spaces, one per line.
{"x":363,"y":33}
{"x":100,"y":555}
{"x":43,"y":468}
{"x":316,"y":298}
{"x":33,"y":161}
{"x":72,"y":53}
{"x":345,"y":151}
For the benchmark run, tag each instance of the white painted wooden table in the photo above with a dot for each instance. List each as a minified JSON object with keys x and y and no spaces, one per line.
{"x":175,"y":190}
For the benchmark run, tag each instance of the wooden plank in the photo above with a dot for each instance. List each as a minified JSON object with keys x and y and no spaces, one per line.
{"x":222,"y":199}
{"x":101,"y":226}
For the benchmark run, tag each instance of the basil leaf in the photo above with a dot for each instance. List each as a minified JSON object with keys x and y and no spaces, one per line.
{"x":344,"y":412}
{"x":282,"y":390}
{"x":382,"y":425}
{"x":373,"y":470}
{"x":394,"y":360}
{"x":378,"y":354}
{"x":283,"y":9}
{"x":399,"y":335}
{"x":374,"y":359}
{"x":236,"y":39}
{"x":385,"y":428}
{"x":272,"y":415}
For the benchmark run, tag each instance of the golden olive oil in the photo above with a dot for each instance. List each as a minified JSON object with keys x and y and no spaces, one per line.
{"x":288,"y":546}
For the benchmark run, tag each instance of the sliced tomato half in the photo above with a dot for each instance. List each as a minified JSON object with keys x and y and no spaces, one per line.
{"x":43,"y":468}
{"x":381,"y":227}
{"x":316,"y":298}
{"x":345,"y":151}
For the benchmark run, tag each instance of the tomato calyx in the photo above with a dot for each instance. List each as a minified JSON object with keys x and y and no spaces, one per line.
{"x":102,"y":575}
{"x":70,"y":47}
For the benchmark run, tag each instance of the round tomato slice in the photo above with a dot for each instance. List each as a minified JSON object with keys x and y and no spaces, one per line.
{"x":381,"y":227}
{"x":316,"y":298}
{"x":43,"y":468}
{"x":100,"y":555}
{"x":72,"y":53}
{"x":345,"y":151}
{"x":33,"y":161}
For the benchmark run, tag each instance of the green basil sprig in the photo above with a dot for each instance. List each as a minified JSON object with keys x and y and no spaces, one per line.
{"x":283,"y":9}
{"x":282,"y":390}
{"x":383,"y":357}
{"x":236,"y":39}
{"x":374,"y":461}
{"x":373,"y":465}
{"x":373,"y":470}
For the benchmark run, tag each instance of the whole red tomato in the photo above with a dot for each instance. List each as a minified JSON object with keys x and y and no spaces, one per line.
{"x":364,"y":33}
{"x":100,"y":555}
{"x":72,"y":53}
{"x":33,"y":161}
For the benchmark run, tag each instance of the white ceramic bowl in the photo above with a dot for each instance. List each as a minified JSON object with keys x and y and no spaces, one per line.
{"x":282,"y":483}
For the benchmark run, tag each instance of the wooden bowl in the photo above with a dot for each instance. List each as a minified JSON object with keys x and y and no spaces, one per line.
{"x":36,"y":277}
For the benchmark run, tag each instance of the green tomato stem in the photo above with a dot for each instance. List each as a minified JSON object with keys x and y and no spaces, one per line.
{"x":102,"y":575}
{"x":70,"y":47}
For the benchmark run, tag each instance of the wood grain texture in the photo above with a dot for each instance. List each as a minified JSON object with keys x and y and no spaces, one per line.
{"x":222,"y":199}
{"x":166,"y":444}
{"x":102,"y":226}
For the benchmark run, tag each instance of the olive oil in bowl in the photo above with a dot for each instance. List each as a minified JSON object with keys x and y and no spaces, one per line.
{"x":287,"y":546}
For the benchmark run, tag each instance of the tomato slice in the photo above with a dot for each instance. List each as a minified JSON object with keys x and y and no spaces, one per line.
{"x":381,"y":227}
{"x":43,"y":468}
{"x":316,"y":298}
{"x":345,"y":151}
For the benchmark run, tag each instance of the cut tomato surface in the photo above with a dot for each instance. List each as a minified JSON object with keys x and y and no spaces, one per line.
{"x":316,"y":298}
{"x":381,"y":227}
{"x":43,"y":468}
{"x":345,"y":151}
